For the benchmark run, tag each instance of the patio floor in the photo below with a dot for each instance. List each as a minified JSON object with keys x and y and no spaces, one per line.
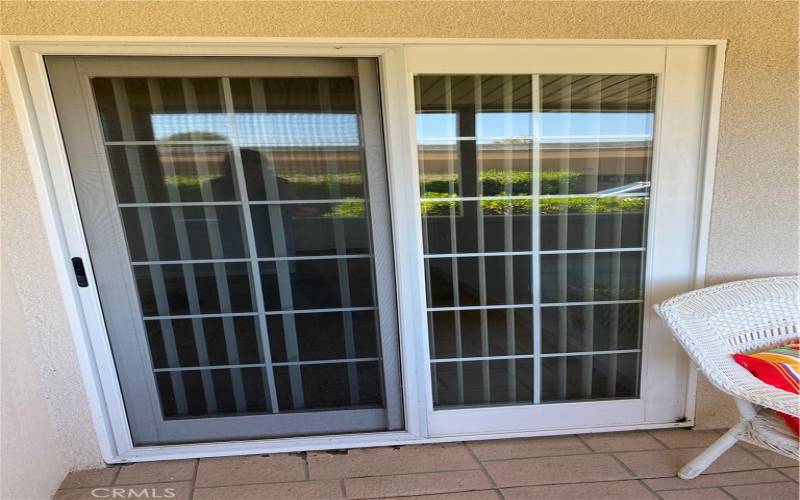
{"x":628,"y":465}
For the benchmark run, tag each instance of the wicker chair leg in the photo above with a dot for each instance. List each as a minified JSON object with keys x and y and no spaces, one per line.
{"x":701,"y":462}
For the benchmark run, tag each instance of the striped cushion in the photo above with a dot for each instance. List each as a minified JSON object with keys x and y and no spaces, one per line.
{"x":778,"y":367}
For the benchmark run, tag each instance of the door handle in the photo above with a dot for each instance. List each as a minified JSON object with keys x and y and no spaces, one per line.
{"x":80,"y":272}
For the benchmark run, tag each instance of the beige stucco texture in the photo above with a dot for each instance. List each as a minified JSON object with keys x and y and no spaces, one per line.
{"x":754,"y":223}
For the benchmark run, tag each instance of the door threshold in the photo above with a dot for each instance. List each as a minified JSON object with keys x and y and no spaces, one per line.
{"x":346,"y":441}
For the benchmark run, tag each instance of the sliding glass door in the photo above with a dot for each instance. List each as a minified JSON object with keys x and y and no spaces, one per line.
{"x":241,"y":241}
{"x":534,"y":198}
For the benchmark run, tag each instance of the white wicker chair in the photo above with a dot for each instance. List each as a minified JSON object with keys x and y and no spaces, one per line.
{"x":744,"y":316}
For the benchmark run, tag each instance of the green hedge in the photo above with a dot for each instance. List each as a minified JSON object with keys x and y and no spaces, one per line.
{"x":495,"y":182}
{"x":522,"y":206}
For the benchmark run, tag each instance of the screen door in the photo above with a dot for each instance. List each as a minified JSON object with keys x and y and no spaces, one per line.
{"x":237,"y":217}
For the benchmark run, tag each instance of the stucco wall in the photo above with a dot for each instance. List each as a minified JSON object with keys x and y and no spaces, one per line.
{"x":32,"y":466}
{"x":754,"y":227}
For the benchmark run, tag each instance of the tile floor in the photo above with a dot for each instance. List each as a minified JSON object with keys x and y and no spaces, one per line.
{"x":628,"y":465}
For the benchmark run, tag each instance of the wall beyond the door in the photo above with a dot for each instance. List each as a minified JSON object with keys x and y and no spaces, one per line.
{"x":29,"y":452}
{"x":754,"y":224}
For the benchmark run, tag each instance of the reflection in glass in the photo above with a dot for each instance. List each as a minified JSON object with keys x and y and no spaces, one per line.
{"x":494,"y":221}
{"x":573,"y":165}
{"x":158,"y":174}
{"x":311,"y":229}
{"x":165,"y":109}
{"x":298,"y":145}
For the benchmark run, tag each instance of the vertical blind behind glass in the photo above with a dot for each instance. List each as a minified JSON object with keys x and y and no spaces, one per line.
{"x":244,"y":207}
{"x":535,"y":194}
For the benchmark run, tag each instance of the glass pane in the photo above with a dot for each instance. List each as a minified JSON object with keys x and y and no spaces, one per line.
{"x":317,"y":284}
{"x":216,"y":389}
{"x":599,"y":223}
{"x":184,"y":232}
{"x":457,"y":334}
{"x":181,"y":343}
{"x":180,"y":289}
{"x":329,"y":386}
{"x":486,"y":150}
{"x":598,"y":131}
{"x":492,"y":224}
{"x":482,"y":383}
{"x":300,"y":153}
{"x":319,"y":336}
{"x":581,"y":277}
{"x":302,"y":229}
{"x":601,"y":327}
{"x":165,"y":109}
{"x":300,"y":138}
{"x":475,"y":281}
{"x":158,"y":174}
{"x":605,"y":376}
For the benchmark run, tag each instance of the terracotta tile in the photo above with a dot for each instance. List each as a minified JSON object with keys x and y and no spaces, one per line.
{"x":774,"y":491}
{"x":685,"y":438}
{"x":608,"y":442}
{"x":666,"y":463}
{"x":527,"y":448}
{"x":391,"y":460}
{"x":553,"y":470}
{"x":227,"y":471}
{"x":712,"y":480}
{"x":461,"y":495}
{"x":174,"y":491}
{"x":416,"y":484}
{"x":694,"y":494}
{"x":156,"y":472}
{"x":300,"y":489}
{"x":92,"y":477}
{"x":775,"y":460}
{"x":792,"y":473}
{"x":611,"y":490}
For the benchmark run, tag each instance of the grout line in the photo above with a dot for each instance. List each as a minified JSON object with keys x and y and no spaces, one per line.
{"x":622,"y":464}
{"x":306,"y":466}
{"x":480,"y":464}
{"x":795,"y":478}
{"x":343,"y":487}
{"x":432,"y":495}
{"x":768,"y":466}
{"x":662,"y":443}
{"x":194,"y":478}
{"x":332,"y":478}
{"x":548,"y":456}
{"x":648,"y":488}
{"x":726,"y":492}
{"x":585,"y":443}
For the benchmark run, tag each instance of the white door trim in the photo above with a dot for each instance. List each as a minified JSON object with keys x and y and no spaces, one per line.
{"x":22,"y":60}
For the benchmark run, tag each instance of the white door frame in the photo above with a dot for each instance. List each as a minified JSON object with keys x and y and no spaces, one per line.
{"x":23,"y":63}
